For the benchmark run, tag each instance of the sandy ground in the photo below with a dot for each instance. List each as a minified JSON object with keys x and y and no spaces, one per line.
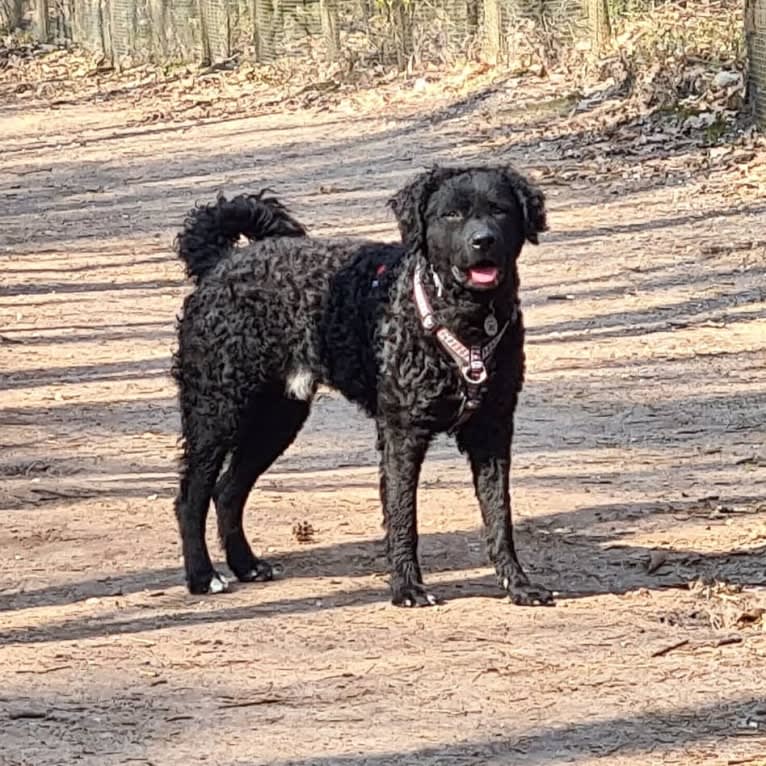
{"x":639,"y":480}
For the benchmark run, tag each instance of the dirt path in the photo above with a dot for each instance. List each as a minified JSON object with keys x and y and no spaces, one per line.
{"x":639,"y":481}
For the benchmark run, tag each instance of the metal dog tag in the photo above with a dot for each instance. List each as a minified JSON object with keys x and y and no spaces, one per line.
{"x":490,"y":325}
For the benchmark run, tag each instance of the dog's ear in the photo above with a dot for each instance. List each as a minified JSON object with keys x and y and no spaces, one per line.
{"x":409,"y":205}
{"x":532,"y":202}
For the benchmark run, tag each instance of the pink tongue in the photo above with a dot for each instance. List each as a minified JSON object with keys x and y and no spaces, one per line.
{"x":483,"y":275}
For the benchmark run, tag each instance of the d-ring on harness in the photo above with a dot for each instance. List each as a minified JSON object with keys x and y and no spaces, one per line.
{"x":470,"y":360}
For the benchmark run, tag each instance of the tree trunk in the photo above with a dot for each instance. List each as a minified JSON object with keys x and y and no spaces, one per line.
{"x":11,"y":15}
{"x":492,"y":30}
{"x":401,"y":26}
{"x":206,"y":57}
{"x":601,"y":27}
{"x":41,"y":21}
{"x":328,"y":16}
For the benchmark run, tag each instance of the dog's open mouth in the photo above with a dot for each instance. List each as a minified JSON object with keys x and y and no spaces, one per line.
{"x":483,"y":275}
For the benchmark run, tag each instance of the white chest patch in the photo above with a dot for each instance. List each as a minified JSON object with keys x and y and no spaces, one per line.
{"x":300,"y":384}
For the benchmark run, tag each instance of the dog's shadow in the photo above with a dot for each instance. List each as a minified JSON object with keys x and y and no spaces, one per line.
{"x":575,"y":565}
{"x":568,"y":552}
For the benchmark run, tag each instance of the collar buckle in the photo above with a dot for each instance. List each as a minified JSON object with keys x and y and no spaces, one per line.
{"x":475,"y":372}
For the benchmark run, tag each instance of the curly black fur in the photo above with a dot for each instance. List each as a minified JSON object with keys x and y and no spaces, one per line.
{"x":269,"y":322}
{"x":211,"y":230}
{"x":409,"y":205}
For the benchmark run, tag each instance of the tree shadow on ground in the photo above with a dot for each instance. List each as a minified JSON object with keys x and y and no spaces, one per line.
{"x":653,"y":731}
{"x":93,"y":714}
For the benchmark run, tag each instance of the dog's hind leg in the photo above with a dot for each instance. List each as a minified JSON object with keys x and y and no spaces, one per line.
{"x":201,"y":464}
{"x":272,"y":424}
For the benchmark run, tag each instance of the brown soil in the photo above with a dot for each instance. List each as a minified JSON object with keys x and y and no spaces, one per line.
{"x":639,"y":478}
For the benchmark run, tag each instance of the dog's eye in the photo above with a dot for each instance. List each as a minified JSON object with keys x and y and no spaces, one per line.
{"x":497,"y":210}
{"x":452,"y":215}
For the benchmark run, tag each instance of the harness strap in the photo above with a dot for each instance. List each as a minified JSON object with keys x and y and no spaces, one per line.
{"x":470,"y":360}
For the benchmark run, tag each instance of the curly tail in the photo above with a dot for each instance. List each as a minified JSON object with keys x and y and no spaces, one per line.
{"x":210,"y":231}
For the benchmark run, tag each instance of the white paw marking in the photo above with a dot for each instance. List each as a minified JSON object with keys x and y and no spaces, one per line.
{"x":432,"y":600}
{"x":300,"y":384}
{"x":219,"y":584}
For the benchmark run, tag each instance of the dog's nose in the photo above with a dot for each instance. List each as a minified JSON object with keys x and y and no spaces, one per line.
{"x":482,"y":241}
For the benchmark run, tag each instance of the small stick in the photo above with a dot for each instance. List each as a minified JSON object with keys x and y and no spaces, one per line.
{"x":728,"y":640}
{"x":15,"y":715}
{"x":44,"y":670}
{"x":671,"y":648}
{"x":252,"y":703}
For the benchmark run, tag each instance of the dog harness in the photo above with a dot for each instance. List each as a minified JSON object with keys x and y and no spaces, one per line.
{"x":471,"y":361}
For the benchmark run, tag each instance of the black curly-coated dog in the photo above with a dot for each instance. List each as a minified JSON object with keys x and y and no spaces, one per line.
{"x":425,"y":337}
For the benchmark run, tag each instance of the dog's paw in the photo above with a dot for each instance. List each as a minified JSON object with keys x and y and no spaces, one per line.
{"x":213,"y":583}
{"x":261,"y":571}
{"x":408,"y":594}
{"x":527,"y":593}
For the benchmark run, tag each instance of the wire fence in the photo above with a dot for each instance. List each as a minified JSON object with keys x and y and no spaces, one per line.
{"x":755,"y":36}
{"x":358,"y":32}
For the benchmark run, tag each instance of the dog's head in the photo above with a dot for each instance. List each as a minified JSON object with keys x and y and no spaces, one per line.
{"x":470,"y":223}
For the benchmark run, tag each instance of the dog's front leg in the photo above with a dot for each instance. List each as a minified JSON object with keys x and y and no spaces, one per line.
{"x":488,"y":446}
{"x":402,"y":454}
